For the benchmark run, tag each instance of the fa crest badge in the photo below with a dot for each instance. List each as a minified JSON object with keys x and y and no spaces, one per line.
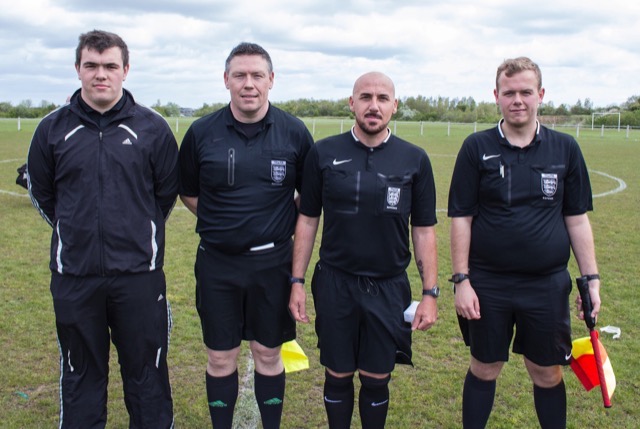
{"x":549,"y":184}
{"x":278,"y":170}
{"x":393,"y":198}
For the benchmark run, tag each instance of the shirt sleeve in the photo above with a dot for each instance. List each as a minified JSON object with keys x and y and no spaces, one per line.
{"x":306,"y":142}
{"x":41,"y":174}
{"x":189,"y":166}
{"x":465,"y":183}
{"x":166,"y":171}
{"x":423,"y":205}
{"x":311,"y":195}
{"x":578,"y":198}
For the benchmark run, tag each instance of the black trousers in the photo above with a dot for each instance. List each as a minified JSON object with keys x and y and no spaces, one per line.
{"x":132,"y":311}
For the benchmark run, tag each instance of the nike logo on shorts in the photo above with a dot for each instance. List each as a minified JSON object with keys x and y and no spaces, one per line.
{"x":567,"y":357}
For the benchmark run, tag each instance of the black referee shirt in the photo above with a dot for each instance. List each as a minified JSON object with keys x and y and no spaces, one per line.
{"x":245,"y":186}
{"x":368,"y":196}
{"x":518,"y":198}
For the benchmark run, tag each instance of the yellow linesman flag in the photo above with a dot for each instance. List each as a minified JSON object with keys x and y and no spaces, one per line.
{"x":583,"y":364}
{"x":293,"y":357}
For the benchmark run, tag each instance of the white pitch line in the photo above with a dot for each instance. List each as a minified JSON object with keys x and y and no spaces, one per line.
{"x":13,"y":194}
{"x":621,"y":184}
{"x":247,"y":380}
{"x":249,"y":416}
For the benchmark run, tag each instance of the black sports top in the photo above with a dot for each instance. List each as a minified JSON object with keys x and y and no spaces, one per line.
{"x":245,"y":185}
{"x":368,"y":196}
{"x":518,"y":198}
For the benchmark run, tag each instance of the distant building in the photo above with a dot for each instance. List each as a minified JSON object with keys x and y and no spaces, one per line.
{"x":186,"y":111}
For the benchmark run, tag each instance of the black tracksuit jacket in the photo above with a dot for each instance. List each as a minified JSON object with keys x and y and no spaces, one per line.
{"x":106,"y":187}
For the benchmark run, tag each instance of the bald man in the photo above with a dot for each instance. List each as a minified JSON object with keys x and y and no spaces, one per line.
{"x":371,"y":186}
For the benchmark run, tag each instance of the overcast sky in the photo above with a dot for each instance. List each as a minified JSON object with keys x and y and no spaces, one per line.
{"x":586,"y":49}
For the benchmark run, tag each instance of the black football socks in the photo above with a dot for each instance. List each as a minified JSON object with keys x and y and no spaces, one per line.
{"x":222,"y":393}
{"x":373,"y":401}
{"x":477,"y":401}
{"x":338,"y":400}
{"x":551,"y":406}
{"x":269,"y":392}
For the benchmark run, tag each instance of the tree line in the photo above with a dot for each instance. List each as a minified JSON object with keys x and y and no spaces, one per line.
{"x":418,"y":108}
{"x":26,"y":109}
{"x":445,"y":109}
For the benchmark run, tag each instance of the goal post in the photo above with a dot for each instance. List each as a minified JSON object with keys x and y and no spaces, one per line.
{"x":593,"y":116}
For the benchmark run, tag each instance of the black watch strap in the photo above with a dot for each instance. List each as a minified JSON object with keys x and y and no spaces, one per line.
{"x":293,"y":280}
{"x":434,"y":291}
{"x":458,"y":278}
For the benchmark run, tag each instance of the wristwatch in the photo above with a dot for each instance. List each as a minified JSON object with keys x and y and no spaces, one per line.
{"x":434,"y":291}
{"x":293,"y":280}
{"x":458,"y":278}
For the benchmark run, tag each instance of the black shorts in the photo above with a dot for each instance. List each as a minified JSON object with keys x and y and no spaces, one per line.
{"x":538,"y":308}
{"x":244,"y":296}
{"x":359,"y":320}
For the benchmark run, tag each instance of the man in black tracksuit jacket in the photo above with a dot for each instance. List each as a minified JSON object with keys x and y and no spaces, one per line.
{"x":102,"y":170}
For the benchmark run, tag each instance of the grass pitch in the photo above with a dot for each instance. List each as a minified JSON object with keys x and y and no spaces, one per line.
{"x":427,"y":395}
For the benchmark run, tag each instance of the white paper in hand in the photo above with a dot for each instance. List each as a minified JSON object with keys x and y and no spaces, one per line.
{"x":410,"y":312}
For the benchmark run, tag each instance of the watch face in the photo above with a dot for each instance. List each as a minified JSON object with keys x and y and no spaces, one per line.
{"x":434,"y":292}
{"x":457,"y":278}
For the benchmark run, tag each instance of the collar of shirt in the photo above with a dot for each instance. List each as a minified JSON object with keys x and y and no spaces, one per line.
{"x":101,"y":119}
{"x":386,"y":139}
{"x":502,"y":134}
{"x":535,"y":139}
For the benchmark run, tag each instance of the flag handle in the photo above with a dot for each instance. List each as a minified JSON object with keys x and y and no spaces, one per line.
{"x":587,"y":308}
{"x":596,"y":354}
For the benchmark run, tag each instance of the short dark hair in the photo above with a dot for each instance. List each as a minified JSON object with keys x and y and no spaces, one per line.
{"x":512,"y":66}
{"x":100,"y":41}
{"x":246,"y":48}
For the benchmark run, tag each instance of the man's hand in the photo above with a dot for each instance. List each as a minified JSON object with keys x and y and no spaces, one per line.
{"x":298,"y":303}
{"x":426,"y":314}
{"x":594,"y":294}
{"x":467,"y":304}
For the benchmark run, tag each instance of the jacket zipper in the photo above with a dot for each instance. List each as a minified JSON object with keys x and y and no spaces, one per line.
{"x":100,"y":199}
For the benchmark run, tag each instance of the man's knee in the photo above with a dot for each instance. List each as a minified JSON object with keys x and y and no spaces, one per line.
{"x":374,"y":384}
{"x":485,"y":371}
{"x":544,"y":376}
{"x":268,"y":360}
{"x":222,"y":362}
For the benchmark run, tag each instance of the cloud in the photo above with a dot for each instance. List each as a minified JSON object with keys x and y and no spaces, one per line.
{"x":429,"y":48}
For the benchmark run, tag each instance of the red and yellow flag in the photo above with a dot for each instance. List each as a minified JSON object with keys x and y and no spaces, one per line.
{"x":583,"y":364}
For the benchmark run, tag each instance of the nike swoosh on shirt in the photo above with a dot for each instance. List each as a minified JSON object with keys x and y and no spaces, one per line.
{"x":342,"y":161}
{"x":486,"y":157}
